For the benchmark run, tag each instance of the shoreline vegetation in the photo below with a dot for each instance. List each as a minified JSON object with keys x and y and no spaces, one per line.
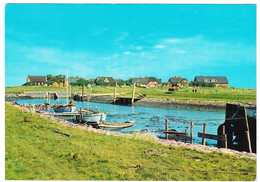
{"x":185,"y":97}
{"x":33,"y":151}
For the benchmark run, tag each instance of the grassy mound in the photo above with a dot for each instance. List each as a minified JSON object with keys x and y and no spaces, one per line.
{"x":34,"y":152}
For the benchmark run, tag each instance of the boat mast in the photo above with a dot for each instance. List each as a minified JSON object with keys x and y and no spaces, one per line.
{"x":67,"y":88}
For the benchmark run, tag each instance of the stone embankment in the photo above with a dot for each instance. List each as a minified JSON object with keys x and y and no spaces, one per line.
{"x":170,"y":143}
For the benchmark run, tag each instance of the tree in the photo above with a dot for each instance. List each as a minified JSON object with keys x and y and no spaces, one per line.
{"x":80,"y":82}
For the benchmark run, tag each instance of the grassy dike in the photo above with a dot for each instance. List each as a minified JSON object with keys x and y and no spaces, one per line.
{"x":34,"y":152}
{"x":184,"y":93}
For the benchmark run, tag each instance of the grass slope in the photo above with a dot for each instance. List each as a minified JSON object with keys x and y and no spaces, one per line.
{"x":34,"y":152}
{"x":184,"y":93}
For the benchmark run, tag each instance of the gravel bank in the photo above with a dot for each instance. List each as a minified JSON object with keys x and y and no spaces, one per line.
{"x":164,"y":142}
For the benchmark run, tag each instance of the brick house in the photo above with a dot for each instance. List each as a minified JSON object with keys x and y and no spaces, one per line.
{"x":219,"y":81}
{"x":177,"y":81}
{"x":37,"y":80}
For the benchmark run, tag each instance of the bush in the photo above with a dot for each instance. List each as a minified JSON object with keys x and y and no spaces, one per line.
{"x":80,"y":82}
{"x":201,"y":84}
{"x":102,"y":83}
{"x":28,"y":84}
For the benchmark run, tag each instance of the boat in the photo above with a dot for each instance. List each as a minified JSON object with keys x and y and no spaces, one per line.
{"x":91,"y":116}
{"x":116,"y":125}
{"x":65,"y":108}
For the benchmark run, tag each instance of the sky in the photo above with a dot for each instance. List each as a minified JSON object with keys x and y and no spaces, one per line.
{"x":131,"y":40}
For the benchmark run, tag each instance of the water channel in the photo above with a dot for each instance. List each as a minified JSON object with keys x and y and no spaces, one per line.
{"x":151,"y":119}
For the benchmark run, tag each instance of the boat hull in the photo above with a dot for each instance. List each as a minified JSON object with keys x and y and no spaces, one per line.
{"x":65,"y":109}
{"x":99,"y":117}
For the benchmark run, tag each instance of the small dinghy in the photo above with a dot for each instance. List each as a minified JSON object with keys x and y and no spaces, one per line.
{"x":116,"y":125}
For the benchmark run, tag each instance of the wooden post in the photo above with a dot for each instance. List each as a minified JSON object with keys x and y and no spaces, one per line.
{"x":49,"y":98}
{"x":248,"y":133}
{"x":70,"y":91}
{"x":82,"y":97}
{"x":45,"y":96}
{"x":204,"y":131}
{"x":191,"y":132}
{"x":133,"y":94}
{"x":115,"y":93}
{"x":185,"y":139}
{"x":166,"y":128}
{"x":224,"y":133}
{"x":81,"y":116}
{"x":67,"y":82}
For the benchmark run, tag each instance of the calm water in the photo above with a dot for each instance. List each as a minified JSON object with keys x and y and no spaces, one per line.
{"x":152,"y":119}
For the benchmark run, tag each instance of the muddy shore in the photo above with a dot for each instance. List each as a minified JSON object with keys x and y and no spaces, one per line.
{"x":156,"y":102}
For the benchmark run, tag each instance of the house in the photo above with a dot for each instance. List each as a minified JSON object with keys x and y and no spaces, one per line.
{"x":177,"y":81}
{"x":146,"y":81}
{"x":219,"y":81}
{"x":37,"y":80}
{"x":105,"y":79}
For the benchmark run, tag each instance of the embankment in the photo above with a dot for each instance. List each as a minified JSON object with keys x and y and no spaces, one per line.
{"x":151,"y":102}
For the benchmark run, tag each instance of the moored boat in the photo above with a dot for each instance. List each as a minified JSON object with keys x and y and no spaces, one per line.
{"x":65,"y":108}
{"x":116,"y":125}
{"x":91,"y":116}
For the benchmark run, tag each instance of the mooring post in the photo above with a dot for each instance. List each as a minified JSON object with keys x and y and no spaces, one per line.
{"x":81,"y":116}
{"x":204,"y":131}
{"x":70,"y":91}
{"x":49,"y":98}
{"x":115,"y":93}
{"x":82,"y":97}
{"x":166,"y":128}
{"x":133,"y":94}
{"x":185,"y":140}
{"x":224,"y":133}
{"x":45,"y":96}
{"x":191,"y":132}
{"x":248,"y":133}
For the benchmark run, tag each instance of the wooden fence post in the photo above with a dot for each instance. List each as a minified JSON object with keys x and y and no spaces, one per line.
{"x":191,"y":132}
{"x":204,"y":131}
{"x":166,"y":128}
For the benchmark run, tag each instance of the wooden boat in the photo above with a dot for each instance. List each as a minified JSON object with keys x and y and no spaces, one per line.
{"x":65,"y":108}
{"x":91,"y":116}
{"x":116,"y":125}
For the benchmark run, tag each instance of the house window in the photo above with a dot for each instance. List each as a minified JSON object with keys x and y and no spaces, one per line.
{"x":213,"y":80}
{"x":206,"y":80}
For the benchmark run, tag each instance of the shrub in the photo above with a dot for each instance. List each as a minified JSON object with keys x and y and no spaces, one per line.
{"x":28,"y":84}
{"x":80,"y":82}
{"x":201,"y":84}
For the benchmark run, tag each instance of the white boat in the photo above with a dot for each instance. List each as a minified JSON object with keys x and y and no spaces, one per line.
{"x":89,"y":116}
{"x":65,"y":108}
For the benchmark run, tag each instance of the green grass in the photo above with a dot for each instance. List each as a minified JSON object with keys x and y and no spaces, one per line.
{"x":185,"y":93}
{"x":34,"y":152}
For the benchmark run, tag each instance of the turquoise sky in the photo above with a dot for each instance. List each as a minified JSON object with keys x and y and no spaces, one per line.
{"x":126,"y":41}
